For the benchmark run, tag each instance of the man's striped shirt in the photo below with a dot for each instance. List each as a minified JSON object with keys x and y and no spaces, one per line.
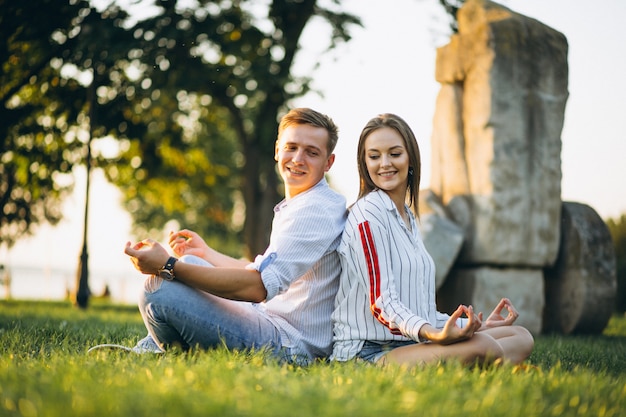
{"x":300,"y":268}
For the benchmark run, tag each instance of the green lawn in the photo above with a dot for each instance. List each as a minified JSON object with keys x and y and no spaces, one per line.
{"x":45,"y":371}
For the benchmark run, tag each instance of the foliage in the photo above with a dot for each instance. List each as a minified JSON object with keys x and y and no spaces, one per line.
{"x":225,"y":68}
{"x":44,"y":369}
{"x":617,"y":227}
{"x":188,"y":177}
{"x":190,"y":96}
{"x":47,"y":51}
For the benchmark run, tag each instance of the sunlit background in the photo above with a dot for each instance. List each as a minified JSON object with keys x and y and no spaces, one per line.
{"x":387,"y":67}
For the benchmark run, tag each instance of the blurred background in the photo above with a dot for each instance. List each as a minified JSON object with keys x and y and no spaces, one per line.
{"x":180,"y":105}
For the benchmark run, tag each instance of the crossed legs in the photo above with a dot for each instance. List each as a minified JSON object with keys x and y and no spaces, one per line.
{"x":509,"y":343}
{"x":176,"y":314}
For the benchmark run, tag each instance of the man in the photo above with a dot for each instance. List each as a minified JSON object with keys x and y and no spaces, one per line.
{"x":283,"y":300}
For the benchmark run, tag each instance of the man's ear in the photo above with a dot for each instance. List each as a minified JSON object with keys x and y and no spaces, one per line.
{"x":329,"y":162}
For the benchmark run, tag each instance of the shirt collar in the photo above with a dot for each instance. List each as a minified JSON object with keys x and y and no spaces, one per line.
{"x":390,"y":205}
{"x":384,"y":198}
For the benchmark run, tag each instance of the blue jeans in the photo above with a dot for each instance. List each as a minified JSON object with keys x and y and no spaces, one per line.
{"x":178,"y":315}
{"x":373,"y":351}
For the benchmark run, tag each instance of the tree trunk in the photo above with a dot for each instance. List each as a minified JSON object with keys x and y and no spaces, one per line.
{"x":260,"y":189}
{"x":81,"y":297}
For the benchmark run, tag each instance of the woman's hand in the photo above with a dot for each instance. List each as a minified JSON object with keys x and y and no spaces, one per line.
{"x":496,"y":319}
{"x":186,"y":242}
{"x":148,"y":256}
{"x":451,"y":332}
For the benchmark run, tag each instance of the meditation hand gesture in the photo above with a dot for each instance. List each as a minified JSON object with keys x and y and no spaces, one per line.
{"x":148,"y":256}
{"x":186,"y":242}
{"x":496,"y":319}
{"x":451,"y":332}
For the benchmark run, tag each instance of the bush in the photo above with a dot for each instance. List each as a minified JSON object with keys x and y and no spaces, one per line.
{"x":617,"y":227}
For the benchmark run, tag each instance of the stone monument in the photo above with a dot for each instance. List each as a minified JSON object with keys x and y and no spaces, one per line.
{"x":493,"y":215}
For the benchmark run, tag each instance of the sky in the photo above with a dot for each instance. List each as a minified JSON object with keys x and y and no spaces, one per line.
{"x":389,"y":66}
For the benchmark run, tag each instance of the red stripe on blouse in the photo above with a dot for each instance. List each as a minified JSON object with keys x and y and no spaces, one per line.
{"x":373,"y":270}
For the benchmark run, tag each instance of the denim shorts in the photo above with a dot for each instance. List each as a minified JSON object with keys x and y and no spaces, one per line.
{"x":373,"y":351}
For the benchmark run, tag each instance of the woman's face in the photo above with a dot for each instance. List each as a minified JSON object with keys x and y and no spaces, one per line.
{"x":387,"y":161}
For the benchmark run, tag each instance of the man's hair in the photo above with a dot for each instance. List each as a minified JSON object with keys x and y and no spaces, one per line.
{"x":306,"y":116}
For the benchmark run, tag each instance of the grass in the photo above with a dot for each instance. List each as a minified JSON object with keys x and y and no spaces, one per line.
{"x":45,"y":371}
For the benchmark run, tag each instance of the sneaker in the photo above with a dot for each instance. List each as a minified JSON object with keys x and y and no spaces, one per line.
{"x":145,"y":345}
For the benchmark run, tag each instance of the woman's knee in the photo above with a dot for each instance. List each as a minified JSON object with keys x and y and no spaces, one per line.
{"x":525,"y":339}
{"x":487,"y":349}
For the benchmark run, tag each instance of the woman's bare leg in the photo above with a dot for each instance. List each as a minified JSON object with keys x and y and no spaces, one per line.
{"x":481,"y":348}
{"x":517,"y":342}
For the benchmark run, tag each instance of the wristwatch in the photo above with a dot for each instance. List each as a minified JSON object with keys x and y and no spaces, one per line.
{"x":167,"y":272}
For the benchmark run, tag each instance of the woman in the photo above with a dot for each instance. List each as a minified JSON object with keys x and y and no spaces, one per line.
{"x":385,"y":308}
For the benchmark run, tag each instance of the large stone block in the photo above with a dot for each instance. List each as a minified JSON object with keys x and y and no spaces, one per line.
{"x":442,"y":237}
{"x":449,"y":175}
{"x":443,"y":240}
{"x":484,"y":287}
{"x":499,"y":118}
{"x":581,"y":287}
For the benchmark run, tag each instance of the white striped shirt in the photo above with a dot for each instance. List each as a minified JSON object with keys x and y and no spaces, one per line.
{"x":387,"y":285}
{"x":300,"y":268}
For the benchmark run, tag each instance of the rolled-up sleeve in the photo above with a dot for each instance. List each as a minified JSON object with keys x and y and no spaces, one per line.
{"x":303,"y":231}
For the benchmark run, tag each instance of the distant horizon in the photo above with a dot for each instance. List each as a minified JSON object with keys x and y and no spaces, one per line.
{"x":51,"y":283}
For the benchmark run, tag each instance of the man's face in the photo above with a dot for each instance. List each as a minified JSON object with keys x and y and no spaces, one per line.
{"x":302,"y":155}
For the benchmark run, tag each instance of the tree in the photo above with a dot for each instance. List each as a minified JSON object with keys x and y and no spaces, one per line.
{"x":192,"y":96}
{"x":231,"y":66}
{"x":53,"y":56}
{"x":617,"y":227}
{"x":32,"y":124}
{"x":47,"y":48}
{"x":185,"y":167}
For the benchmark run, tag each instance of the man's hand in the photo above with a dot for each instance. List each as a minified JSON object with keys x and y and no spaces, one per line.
{"x":186,"y":242}
{"x":148,"y":256}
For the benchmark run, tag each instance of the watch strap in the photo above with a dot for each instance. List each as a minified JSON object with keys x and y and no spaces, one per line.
{"x":167,"y":272}
{"x":169,"y":265}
